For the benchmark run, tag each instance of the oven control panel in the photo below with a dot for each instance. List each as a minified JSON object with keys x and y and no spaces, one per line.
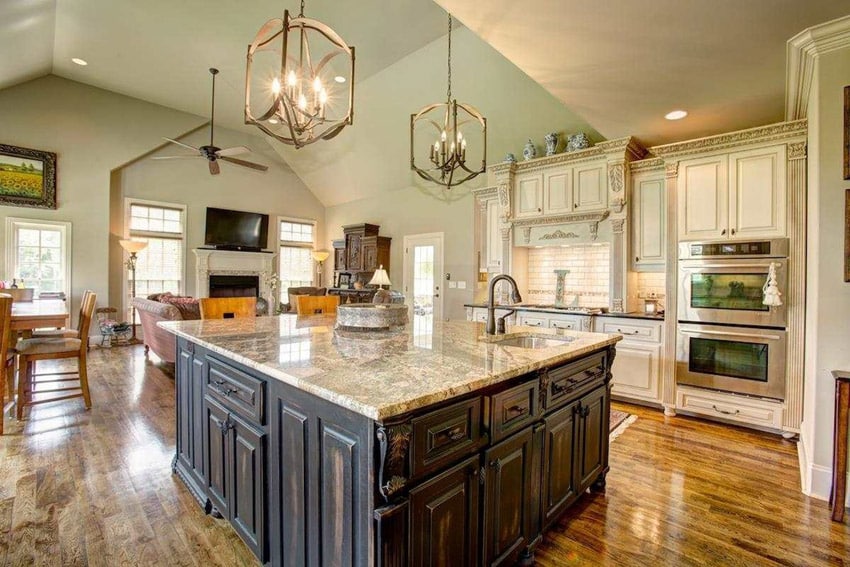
{"x":775,"y":248}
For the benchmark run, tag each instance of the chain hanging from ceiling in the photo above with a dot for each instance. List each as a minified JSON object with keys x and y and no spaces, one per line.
{"x":299,"y":80}
{"x":442,"y":123}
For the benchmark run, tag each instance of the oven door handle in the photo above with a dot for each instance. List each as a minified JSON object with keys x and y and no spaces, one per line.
{"x":728,"y":334}
{"x":697,"y":268}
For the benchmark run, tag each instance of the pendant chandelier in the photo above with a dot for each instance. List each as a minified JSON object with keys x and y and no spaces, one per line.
{"x":439,"y":125}
{"x":299,"y":83}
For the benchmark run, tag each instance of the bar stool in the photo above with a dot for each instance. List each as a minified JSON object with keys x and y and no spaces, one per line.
{"x":228,"y":307}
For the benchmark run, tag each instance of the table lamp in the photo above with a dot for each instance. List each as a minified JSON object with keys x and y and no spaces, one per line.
{"x":320,"y":256}
{"x":381,"y":279}
{"x":133,"y":247}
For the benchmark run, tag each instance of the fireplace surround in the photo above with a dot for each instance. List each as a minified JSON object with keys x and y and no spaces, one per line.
{"x":233,"y":273}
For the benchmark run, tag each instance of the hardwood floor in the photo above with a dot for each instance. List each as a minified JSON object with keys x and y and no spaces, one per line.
{"x":96,"y":488}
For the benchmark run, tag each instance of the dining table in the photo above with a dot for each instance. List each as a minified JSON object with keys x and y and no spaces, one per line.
{"x":38,"y":314}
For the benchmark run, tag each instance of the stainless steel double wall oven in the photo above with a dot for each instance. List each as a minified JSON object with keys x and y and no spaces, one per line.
{"x":728,"y":339}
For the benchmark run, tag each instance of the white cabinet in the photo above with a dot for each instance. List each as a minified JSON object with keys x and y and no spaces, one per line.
{"x":591,"y":188}
{"x":532,"y":320}
{"x":561,"y":190}
{"x":493,"y":237}
{"x":529,"y":195}
{"x":735,"y":195}
{"x":757,"y":193}
{"x":637,"y":366}
{"x":649,"y":223}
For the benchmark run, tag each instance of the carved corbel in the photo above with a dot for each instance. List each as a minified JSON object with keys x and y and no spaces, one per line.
{"x":616,"y":176}
{"x":618,"y":205}
{"x":504,"y":200}
{"x":617,"y":225}
{"x":526,"y":234}
{"x":797,"y":150}
{"x":594,"y":230}
{"x":506,"y":233}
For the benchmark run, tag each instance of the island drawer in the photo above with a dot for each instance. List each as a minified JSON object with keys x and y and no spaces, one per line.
{"x":444,"y":435}
{"x":513,"y":409}
{"x":570,"y":378}
{"x":236,"y":390}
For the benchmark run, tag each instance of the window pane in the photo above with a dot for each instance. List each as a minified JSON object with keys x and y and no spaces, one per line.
{"x":28,"y":237}
{"x":296,"y":232}
{"x":296,"y":269}
{"x":39,"y":258}
{"x":155,"y":219}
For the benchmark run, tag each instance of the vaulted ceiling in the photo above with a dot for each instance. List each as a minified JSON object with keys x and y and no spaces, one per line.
{"x":610,"y":68}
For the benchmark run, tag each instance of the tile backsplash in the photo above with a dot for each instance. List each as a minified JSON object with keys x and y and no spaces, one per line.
{"x":590,"y":274}
{"x":651,"y":282}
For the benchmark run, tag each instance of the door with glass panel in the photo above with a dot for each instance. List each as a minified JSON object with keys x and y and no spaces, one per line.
{"x":423,"y":286}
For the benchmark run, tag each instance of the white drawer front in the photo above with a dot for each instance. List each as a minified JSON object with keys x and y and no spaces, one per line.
{"x":753,"y":411}
{"x":636,"y":371}
{"x":532,"y":321}
{"x":633,"y":331}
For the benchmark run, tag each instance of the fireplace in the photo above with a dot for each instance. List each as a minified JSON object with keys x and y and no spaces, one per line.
{"x":234,"y":286}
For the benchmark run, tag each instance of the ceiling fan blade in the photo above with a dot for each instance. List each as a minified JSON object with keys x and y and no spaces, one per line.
{"x":181,"y":144}
{"x":178,"y":157}
{"x":234,"y":151}
{"x":214,"y":168}
{"x":242,"y":162}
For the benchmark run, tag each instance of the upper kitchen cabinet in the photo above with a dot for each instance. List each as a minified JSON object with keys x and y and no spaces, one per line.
{"x":529,"y":195}
{"x":736,"y":195}
{"x":493,"y":237}
{"x":591,"y":187}
{"x":558,"y":193}
{"x":649,"y":221}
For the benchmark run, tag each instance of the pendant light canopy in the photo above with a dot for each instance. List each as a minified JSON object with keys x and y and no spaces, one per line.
{"x":437,"y":131}
{"x":299,"y":83}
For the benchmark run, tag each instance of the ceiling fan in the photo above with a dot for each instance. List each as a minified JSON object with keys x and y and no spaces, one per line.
{"x":211,"y":152}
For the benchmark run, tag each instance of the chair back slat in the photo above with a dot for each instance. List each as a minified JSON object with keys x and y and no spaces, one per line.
{"x":6,"y":301}
{"x":86,"y":314}
{"x":85,"y":298}
{"x":228,"y":307}
{"x":312,"y":304}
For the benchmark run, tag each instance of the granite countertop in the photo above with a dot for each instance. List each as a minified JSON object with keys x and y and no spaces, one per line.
{"x":380,"y":374}
{"x":568,"y":311}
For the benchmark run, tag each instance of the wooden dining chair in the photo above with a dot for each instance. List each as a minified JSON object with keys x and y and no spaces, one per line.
{"x":31,"y":350}
{"x":67,"y":332}
{"x":228,"y":307}
{"x":7,"y":357}
{"x":311,"y":304}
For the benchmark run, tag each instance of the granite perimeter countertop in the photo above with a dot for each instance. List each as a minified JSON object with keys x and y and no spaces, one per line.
{"x":568,"y":311}
{"x":380,"y":374}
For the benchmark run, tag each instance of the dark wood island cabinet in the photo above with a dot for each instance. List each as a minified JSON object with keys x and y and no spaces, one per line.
{"x":472,"y":479}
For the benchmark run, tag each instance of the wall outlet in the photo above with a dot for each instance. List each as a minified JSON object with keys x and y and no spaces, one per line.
{"x":460,"y":284}
{"x":452,"y":285}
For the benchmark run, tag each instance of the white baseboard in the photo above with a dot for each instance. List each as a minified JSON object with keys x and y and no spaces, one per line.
{"x":816,"y":480}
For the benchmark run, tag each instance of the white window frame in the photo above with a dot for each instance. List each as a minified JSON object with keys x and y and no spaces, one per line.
{"x":12,"y":223}
{"x":125,"y":278}
{"x":306,"y":245}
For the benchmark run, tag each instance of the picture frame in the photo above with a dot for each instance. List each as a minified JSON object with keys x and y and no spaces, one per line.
{"x":847,"y":235}
{"x":344,"y":281}
{"x":27,"y":177}
{"x":847,"y":133}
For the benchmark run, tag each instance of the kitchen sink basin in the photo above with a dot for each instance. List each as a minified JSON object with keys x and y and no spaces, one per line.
{"x":533,"y":342}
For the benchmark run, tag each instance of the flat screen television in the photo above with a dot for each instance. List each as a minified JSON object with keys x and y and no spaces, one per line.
{"x":236,"y":230}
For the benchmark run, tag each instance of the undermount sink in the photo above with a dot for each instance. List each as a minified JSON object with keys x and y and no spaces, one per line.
{"x":534,"y":342}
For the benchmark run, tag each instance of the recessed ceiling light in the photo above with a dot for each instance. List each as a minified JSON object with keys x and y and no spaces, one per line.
{"x":81,"y":62}
{"x":272,"y":121}
{"x":339,"y":79}
{"x":676,"y":115}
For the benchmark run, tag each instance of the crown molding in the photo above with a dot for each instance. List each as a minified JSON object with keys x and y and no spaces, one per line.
{"x":769,"y":133}
{"x":802,"y":52}
{"x":648,"y":164}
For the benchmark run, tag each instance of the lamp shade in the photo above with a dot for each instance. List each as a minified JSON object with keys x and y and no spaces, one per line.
{"x":133,"y":246}
{"x":380,"y":278}
{"x":320,"y":255}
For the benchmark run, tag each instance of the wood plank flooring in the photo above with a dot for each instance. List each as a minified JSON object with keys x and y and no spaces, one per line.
{"x":95,"y":488}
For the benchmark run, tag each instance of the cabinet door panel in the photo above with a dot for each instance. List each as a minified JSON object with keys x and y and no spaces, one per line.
{"x":559,"y":479}
{"x":593,"y":454}
{"x":338,"y":478}
{"x":591,"y":188}
{"x":558,"y":196}
{"x":529,"y":193}
{"x":199,"y":380}
{"x":649,"y":221}
{"x":247,"y":507}
{"x":444,"y":518}
{"x":494,"y":237}
{"x":291,"y":470}
{"x":218,"y":456}
{"x":636,"y":370}
{"x":757,"y":192}
{"x":508,"y":499}
{"x":184,"y":408}
{"x":702,"y":189}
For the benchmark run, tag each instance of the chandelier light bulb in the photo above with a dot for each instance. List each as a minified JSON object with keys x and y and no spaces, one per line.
{"x":276,"y":86}
{"x":323,"y":97}
{"x":291,"y":79}
{"x":317,"y":84}
{"x":302,"y":102}
{"x":443,"y":136}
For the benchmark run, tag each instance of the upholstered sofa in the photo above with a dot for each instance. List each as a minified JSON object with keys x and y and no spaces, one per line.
{"x":296,"y":291}
{"x":160,"y":341}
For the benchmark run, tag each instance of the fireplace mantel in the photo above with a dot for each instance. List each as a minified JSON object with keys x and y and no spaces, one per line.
{"x":231,"y":262}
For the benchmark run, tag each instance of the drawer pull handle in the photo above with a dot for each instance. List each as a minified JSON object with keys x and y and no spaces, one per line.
{"x":457,"y":436}
{"x":622,"y":332}
{"x":517,"y":410}
{"x":225,"y":425}
{"x":724,"y":412}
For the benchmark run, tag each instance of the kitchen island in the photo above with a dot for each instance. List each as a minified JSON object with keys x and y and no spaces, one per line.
{"x":432,"y":446}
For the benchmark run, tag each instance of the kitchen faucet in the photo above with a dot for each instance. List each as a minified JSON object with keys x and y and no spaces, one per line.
{"x":491,"y":308}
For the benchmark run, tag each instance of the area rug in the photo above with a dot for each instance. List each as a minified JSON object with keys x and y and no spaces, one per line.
{"x":620,"y":420}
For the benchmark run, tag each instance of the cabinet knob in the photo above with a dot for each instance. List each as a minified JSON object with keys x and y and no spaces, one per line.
{"x":539,"y":210}
{"x":733,"y":232}
{"x":637,"y":258}
{"x":497,"y":464}
{"x":723,"y":232}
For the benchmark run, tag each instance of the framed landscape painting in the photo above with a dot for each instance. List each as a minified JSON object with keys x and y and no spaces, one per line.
{"x":27,"y":177}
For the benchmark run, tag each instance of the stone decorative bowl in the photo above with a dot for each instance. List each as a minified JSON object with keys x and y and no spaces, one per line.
{"x":369,"y":316}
